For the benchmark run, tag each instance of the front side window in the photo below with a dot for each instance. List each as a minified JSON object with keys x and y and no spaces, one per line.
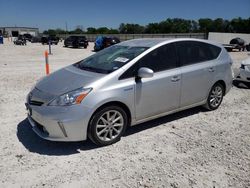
{"x":110,"y":59}
{"x":160,"y":59}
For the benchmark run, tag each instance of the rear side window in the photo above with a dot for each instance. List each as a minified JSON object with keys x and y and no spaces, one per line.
{"x":160,"y":59}
{"x":191,"y":52}
{"x":215,"y":50}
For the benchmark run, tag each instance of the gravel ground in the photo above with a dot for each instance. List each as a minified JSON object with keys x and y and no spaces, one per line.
{"x":193,"y":148}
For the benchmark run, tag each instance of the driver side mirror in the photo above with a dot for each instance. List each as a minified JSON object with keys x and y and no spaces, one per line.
{"x":144,"y":72}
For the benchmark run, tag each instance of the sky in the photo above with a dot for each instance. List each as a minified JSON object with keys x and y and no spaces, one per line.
{"x":53,"y":14}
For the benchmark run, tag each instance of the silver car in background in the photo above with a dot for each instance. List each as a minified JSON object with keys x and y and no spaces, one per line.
{"x":244,"y":74}
{"x":127,"y":84}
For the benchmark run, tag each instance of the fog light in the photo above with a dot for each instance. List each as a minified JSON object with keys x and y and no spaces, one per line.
{"x":62,"y":128}
{"x":45,"y":130}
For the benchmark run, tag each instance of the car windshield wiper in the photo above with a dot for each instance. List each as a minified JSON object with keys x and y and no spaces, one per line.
{"x":92,"y":69}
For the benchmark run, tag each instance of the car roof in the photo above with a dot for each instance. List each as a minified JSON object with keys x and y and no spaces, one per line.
{"x":145,"y":42}
{"x":150,"y":42}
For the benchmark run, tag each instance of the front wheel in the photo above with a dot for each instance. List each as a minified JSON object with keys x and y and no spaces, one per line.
{"x":215,"y":97}
{"x":107,"y":125}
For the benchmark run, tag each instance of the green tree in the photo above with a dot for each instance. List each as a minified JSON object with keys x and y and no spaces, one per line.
{"x":181,"y":26}
{"x":78,"y":31}
{"x":240,"y":25}
{"x":218,"y":25}
{"x":113,"y":31}
{"x":175,"y":25}
{"x":131,"y":28}
{"x":102,"y":30}
{"x":60,"y":31}
{"x":166,"y":26}
{"x":205,"y":25}
{"x":152,"y":28}
{"x":91,"y":30}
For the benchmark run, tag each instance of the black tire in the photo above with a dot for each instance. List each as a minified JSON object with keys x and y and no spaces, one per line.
{"x":241,"y":84}
{"x":248,"y":47}
{"x":97,"y":120}
{"x":214,"y":99}
{"x":236,"y":83}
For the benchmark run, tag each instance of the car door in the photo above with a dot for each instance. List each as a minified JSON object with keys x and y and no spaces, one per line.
{"x":160,"y":93}
{"x":197,"y":71}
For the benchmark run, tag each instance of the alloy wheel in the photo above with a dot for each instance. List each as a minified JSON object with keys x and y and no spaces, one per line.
{"x":216,"y":96}
{"x":109,"y":125}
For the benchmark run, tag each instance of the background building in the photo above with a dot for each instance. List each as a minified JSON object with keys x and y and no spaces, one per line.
{"x":15,"y":31}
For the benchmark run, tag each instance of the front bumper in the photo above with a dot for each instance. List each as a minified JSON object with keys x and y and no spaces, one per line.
{"x":244,"y":75}
{"x":67,"y":123}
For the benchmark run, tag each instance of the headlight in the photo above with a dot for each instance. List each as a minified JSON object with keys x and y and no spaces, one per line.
{"x":71,"y":98}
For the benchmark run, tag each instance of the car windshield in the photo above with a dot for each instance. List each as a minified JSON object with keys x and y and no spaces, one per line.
{"x":110,"y":59}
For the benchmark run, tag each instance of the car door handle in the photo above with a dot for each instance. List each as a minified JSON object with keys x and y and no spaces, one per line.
{"x":211,"y":69}
{"x":175,"y":78}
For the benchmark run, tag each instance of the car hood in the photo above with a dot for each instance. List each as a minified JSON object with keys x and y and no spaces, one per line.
{"x":67,"y":79}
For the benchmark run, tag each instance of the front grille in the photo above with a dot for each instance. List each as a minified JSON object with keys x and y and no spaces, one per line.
{"x":37,"y":97}
{"x":36,"y":103}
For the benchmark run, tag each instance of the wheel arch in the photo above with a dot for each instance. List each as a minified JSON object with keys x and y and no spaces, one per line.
{"x":223,"y":84}
{"x":114,"y":103}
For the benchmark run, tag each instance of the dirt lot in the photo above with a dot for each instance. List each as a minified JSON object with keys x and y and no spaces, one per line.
{"x":194,"y":148}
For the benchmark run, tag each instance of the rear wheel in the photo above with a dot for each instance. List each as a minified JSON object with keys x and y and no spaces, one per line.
{"x":107,"y":125}
{"x":215,"y":97}
{"x":248,"y":47}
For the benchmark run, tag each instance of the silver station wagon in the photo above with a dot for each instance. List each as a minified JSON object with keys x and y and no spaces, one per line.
{"x":127,"y":84}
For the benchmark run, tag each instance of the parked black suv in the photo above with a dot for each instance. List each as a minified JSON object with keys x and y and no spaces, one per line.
{"x":20,"y":40}
{"x":52,"y":39}
{"x":28,"y":36}
{"x":76,"y":42}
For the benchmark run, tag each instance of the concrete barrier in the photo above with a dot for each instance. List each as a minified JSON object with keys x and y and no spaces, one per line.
{"x":123,"y":37}
{"x":224,"y":38}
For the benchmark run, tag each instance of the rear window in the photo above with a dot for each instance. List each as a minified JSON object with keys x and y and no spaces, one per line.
{"x":215,"y":50}
{"x":73,"y":37}
{"x":82,"y":38}
{"x":77,"y":37}
{"x":191,"y":52}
